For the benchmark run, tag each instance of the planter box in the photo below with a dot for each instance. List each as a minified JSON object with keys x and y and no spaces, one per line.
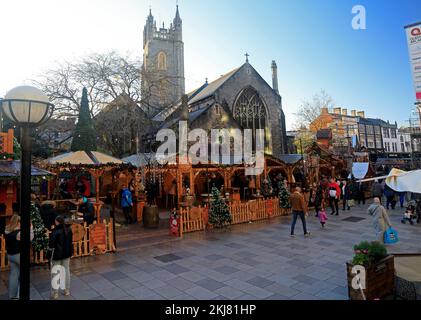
{"x":380,"y":280}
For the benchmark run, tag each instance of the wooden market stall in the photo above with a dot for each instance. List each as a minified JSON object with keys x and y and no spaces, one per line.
{"x":94,"y":163}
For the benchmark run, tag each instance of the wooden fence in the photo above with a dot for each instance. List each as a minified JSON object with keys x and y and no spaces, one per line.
{"x":195,"y":219}
{"x":81,"y":248}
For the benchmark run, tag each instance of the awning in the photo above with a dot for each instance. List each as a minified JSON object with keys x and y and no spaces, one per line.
{"x":11,"y":169}
{"x":84,"y":157}
{"x":404,"y":181}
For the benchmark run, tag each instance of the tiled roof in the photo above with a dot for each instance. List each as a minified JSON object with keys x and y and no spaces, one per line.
{"x":213,"y":86}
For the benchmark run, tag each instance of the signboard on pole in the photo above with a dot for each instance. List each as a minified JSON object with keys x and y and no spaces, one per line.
{"x":413,"y":33}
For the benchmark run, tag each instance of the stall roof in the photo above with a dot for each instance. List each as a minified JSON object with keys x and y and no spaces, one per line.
{"x":11,"y":169}
{"x":84,"y":157}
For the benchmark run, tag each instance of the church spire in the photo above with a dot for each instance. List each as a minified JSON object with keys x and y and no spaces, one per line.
{"x":177,"y":19}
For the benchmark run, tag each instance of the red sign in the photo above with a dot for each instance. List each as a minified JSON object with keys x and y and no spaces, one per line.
{"x":174,"y":226}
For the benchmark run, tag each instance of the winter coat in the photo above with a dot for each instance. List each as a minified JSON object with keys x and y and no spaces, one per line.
{"x":319,"y":196}
{"x":334,"y":186}
{"x":377,"y":190}
{"x":345,"y":192}
{"x":381,"y":221}
{"x":60,"y":243}
{"x":126,"y":198}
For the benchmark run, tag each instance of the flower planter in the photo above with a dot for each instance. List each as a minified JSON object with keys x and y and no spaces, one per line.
{"x":380,"y":280}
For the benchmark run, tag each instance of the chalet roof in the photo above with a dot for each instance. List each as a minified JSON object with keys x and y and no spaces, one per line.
{"x":84,"y":157}
{"x":11,"y":169}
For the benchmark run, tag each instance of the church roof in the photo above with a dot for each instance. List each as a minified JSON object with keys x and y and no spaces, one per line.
{"x":213,"y":86}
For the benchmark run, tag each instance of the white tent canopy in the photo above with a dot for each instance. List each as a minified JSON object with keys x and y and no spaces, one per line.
{"x":359,"y":169}
{"x":403,"y":181}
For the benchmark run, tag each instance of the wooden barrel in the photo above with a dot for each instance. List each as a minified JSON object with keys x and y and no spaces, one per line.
{"x":150,"y":217}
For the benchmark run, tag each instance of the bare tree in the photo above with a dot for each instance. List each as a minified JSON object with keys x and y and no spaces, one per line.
{"x":106,"y":76}
{"x":309,"y":111}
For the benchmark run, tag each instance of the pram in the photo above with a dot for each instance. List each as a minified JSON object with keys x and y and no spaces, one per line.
{"x":412,"y":212}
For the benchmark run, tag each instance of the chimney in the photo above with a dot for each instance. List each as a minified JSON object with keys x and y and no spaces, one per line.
{"x":361,"y":114}
{"x":184,"y":114}
{"x":353,"y":113}
{"x":275,"y":77}
{"x":344,"y":112}
{"x":337,"y":110}
{"x":325,"y":111}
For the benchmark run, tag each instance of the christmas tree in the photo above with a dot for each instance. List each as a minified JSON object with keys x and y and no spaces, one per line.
{"x":40,"y":241}
{"x":283,"y":196}
{"x":219,"y":215}
{"x":84,"y":137}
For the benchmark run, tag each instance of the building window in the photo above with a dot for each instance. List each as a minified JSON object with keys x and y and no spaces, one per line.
{"x":162,"y":61}
{"x":250,"y":112}
{"x":217,"y":110}
{"x":393,"y":133}
{"x":403,"y":147}
{"x":386,"y":132}
{"x":401,"y":138}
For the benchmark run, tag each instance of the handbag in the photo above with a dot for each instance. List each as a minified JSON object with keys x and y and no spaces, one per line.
{"x":391,"y":236}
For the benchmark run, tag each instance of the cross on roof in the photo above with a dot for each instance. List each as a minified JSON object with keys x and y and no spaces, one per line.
{"x":247,"y":57}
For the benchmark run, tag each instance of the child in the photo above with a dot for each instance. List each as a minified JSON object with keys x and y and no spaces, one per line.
{"x":322,"y":217}
{"x":410,"y":213}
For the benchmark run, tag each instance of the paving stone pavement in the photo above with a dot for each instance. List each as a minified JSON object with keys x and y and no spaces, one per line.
{"x":250,"y":261}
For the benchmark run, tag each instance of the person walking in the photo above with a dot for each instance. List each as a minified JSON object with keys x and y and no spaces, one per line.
{"x":319,"y":198}
{"x":402,"y":196}
{"x":380,"y":221}
{"x":377,"y":190}
{"x":390,"y":197}
{"x":334,"y":196}
{"x":361,"y":188}
{"x":346,"y":195}
{"x":12,"y":237}
{"x":299,"y":209}
{"x":60,"y":250}
{"x":127,"y":204}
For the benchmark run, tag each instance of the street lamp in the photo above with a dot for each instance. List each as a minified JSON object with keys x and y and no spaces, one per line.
{"x":27,"y":107}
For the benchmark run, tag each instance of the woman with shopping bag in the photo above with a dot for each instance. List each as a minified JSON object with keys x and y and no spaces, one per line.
{"x":381,"y":222}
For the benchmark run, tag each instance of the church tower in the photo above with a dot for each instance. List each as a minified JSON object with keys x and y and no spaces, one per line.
{"x":163,"y":81}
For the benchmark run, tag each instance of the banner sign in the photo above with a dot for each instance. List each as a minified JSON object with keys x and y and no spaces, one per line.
{"x":413,"y":33}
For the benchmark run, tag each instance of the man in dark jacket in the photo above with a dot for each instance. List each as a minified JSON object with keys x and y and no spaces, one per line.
{"x":60,"y":250}
{"x":87,"y":210}
{"x":377,"y":190}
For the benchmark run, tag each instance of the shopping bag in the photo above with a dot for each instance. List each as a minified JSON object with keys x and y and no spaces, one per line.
{"x":391,"y":236}
{"x":351,"y":203}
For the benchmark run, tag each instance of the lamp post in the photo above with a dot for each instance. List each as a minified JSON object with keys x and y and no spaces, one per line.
{"x":27,"y":107}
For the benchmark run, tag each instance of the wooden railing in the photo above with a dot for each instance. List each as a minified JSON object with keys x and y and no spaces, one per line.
{"x":81,"y":248}
{"x":241,"y":212}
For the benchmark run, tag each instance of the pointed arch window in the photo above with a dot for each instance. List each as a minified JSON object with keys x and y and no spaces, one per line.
{"x":250,"y":112}
{"x":162,"y":61}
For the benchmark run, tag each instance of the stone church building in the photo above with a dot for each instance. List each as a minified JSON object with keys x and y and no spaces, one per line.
{"x":240,"y":98}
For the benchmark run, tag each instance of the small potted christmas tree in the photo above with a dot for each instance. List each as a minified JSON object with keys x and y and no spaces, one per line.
{"x":283,"y":195}
{"x":219,"y":214}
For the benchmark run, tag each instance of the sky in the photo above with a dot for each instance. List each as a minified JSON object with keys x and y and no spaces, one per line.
{"x":313,"y":43}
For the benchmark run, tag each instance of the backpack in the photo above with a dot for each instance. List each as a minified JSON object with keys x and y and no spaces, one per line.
{"x":332,"y":192}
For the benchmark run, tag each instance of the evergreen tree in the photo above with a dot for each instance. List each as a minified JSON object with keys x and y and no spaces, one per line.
{"x":40,"y":241}
{"x":283,"y":195}
{"x":219,"y":215}
{"x":84,"y":137}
